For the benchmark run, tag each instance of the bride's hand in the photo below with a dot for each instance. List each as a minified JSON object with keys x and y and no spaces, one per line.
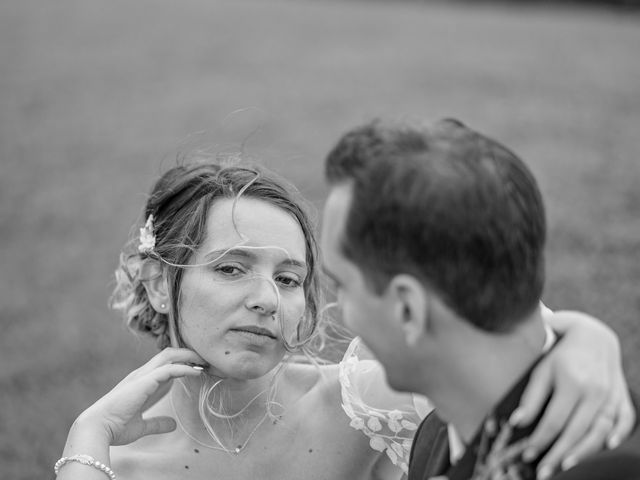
{"x":119,"y":412}
{"x":590,"y":407}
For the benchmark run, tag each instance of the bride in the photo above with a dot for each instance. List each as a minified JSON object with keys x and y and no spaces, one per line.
{"x":224,"y":275}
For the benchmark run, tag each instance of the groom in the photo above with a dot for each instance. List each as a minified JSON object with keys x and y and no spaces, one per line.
{"x":435,"y":238}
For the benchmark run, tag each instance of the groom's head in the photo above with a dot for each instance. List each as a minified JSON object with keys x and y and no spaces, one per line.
{"x":422,"y":220}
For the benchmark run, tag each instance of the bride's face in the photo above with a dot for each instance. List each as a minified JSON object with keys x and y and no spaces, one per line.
{"x":231,"y":309}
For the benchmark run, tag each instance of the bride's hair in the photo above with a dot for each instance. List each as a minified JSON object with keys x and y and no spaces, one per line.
{"x":178,"y":205}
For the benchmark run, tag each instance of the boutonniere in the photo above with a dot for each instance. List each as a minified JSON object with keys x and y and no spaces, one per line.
{"x":499,"y":459}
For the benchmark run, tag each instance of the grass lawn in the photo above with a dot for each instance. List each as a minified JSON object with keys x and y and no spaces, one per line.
{"x":96,"y":97}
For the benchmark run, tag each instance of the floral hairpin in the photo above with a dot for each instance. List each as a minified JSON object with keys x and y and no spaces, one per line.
{"x":147,"y":238}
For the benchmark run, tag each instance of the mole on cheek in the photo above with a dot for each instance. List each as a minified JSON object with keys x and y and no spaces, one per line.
{"x":227,"y":352}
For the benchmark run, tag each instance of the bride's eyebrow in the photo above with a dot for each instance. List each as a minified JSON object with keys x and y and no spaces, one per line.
{"x":224,"y":252}
{"x":249,"y":254}
{"x":295,"y":263}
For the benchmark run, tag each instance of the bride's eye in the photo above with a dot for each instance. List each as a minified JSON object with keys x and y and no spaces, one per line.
{"x":289,"y":281}
{"x":229,"y":270}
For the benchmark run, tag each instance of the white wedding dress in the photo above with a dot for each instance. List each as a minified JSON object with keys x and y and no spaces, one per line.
{"x":389,"y":418}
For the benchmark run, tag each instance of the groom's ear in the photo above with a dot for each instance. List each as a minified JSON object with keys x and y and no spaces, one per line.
{"x":154,"y":281}
{"x":411,"y":302}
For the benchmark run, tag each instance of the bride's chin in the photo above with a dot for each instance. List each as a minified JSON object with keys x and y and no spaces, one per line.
{"x":242,"y":369}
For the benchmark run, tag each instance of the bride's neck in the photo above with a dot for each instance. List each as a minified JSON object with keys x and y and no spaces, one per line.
{"x":226,"y":396}
{"x":238,"y":409}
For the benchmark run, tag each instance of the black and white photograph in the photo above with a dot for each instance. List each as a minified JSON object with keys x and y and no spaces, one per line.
{"x":320,"y":240}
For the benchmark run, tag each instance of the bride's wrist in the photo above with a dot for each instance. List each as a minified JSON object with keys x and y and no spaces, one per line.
{"x":88,"y":438}
{"x":90,"y":428}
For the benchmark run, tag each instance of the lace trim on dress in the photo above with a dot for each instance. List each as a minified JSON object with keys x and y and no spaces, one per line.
{"x":387,"y":417}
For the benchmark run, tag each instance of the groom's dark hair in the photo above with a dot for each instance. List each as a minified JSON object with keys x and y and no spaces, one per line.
{"x":450,"y":206}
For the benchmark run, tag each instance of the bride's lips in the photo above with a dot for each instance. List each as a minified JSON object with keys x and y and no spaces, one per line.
{"x":254,"y":330}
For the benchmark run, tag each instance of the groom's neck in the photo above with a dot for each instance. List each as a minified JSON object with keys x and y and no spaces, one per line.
{"x":483,"y":370}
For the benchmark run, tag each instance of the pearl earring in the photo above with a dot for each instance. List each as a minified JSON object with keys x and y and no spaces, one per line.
{"x":163,"y":306}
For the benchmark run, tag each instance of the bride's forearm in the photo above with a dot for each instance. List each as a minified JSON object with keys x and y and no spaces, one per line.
{"x":86,"y":438}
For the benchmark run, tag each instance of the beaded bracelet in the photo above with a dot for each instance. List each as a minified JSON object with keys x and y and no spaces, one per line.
{"x":84,"y":460}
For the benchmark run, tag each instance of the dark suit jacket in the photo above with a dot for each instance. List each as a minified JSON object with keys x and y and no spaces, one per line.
{"x":621,"y":463}
{"x":488,"y":451}
{"x":430,"y":449}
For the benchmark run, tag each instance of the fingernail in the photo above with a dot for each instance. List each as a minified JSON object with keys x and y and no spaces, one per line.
{"x":197,"y":367}
{"x":569,"y":462}
{"x":529,"y":454}
{"x":516,"y":417}
{"x":613,"y":442}
{"x":544,"y":472}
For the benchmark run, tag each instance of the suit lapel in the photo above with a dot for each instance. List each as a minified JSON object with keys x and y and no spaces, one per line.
{"x":430,"y":451}
{"x":438,"y":461}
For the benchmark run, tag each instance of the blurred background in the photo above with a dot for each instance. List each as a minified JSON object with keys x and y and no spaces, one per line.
{"x":97,"y":97}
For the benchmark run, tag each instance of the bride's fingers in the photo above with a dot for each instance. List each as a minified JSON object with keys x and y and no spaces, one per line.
{"x":156,"y":425}
{"x":593,"y":441}
{"x":142,"y":428}
{"x":163,"y":374}
{"x":625,"y":420}
{"x":174,"y":355}
{"x":167,"y":356}
{"x":126,"y":402}
{"x":160,"y":392}
{"x":556,"y":415}
{"x":143,"y":391}
{"x":535,"y":396}
{"x":164,"y":385}
{"x":563,"y":449}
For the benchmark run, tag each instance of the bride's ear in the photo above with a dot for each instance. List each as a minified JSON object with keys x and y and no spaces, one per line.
{"x":154,"y":281}
{"x":411,"y":310}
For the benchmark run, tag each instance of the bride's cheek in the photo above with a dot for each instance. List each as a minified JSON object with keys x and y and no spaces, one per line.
{"x":301,"y":306}
{"x":293,"y":311}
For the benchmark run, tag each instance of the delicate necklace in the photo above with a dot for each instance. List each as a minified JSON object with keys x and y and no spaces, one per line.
{"x":239,"y":448}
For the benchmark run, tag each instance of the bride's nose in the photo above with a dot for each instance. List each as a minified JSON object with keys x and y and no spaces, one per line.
{"x":263,"y":297}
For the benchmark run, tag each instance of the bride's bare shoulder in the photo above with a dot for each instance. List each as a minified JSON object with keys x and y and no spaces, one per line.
{"x":316,"y":382}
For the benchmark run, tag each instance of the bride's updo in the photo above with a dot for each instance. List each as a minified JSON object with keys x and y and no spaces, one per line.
{"x":178,"y":207}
